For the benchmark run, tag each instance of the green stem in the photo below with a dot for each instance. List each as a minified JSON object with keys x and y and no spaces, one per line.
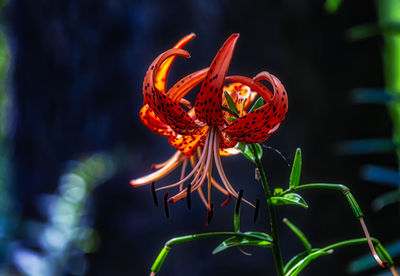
{"x":381,"y":250}
{"x":167,"y":247}
{"x":329,"y":186}
{"x":276,"y":249}
{"x":389,"y":15}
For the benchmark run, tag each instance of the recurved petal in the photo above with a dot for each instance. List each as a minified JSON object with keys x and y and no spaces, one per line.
{"x":258,"y":125}
{"x":187,"y":144}
{"x":162,"y":74}
{"x":152,"y":122}
{"x":182,"y":87}
{"x":208,"y":101}
{"x":167,"y":110}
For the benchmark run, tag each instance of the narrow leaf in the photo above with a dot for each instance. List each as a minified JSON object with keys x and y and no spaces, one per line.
{"x":296,"y":170}
{"x":293,"y":261}
{"x":299,"y":234}
{"x":249,"y":239}
{"x":302,"y":263}
{"x":231,"y":103}
{"x":259,"y":103}
{"x":289,"y":199}
{"x":245,"y":149}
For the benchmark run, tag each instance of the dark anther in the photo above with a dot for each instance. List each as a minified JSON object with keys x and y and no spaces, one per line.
{"x":238,"y":201}
{"x":210,"y":214}
{"x":166,"y":205}
{"x":153,"y":167}
{"x":256,"y":210}
{"x":223,"y":204}
{"x":188,"y":200}
{"x":153,"y":192}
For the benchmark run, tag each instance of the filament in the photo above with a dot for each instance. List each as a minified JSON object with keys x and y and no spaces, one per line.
{"x":184,"y":165}
{"x":202,"y":197}
{"x":221,"y":172}
{"x":192,"y":172}
{"x":196,"y":183}
{"x":170,"y":165}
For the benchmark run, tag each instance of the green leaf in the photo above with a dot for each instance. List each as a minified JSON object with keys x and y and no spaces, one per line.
{"x":331,"y":6}
{"x":259,"y":103}
{"x":231,"y":119}
{"x":227,"y":109}
{"x":278,"y":191}
{"x":245,"y":149}
{"x":289,"y":199}
{"x":293,"y":261}
{"x":231,"y":103}
{"x":296,"y":170}
{"x":299,"y":263}
{"x":249,"y":238}
{"x":299,"y":234}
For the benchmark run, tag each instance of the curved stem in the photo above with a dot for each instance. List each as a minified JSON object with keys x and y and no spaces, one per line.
{"x":276,"y":249}
{"x":167,"y":247}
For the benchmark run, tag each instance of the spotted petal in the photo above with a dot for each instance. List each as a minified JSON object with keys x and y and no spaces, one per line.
{"x":167,"y":110}
{"x":258,"y":125}
{"x":208,"y":101}
{"x":153,"y":123}
{"x":187,"y":144}
{"x":162,"y":74}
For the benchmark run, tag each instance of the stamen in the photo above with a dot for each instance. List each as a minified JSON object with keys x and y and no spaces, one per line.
{"x":394,"y":271}
{"x":210,"y":214}
{"x":201,"y":174}
{"x":172,"y":163}
{"x":153,"y":192}
{"x":155,"y":167}
{"x":238,"y":201}
{"x":216,"y":185}
{"x":370,"y":244}
{"x":203,"y":198}
{"x":223,"y":204}
{"x":188,"y":200}
{"x":184,"y":165}
{"x":152,"y":273}
{"x":256,"y":210}
{"x":200,"y":164}
{"x":166,"y":205}
{"x":209,"y":171}
{"x":221,"y":172}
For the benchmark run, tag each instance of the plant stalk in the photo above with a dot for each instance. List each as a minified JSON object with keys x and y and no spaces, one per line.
{"x":276,"y":249}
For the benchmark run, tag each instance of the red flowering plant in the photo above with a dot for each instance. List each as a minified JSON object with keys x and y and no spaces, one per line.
{"x":227,"y":118}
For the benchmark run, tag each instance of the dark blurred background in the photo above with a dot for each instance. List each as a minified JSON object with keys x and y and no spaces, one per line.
{"x":74,"y":93}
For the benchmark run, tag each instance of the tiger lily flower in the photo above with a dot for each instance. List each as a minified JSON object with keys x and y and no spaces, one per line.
{"x":206,"y":128}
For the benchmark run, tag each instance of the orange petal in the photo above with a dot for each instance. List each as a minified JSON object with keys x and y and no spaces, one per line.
{"x":258,"y":125}
{"x":162,"y":74}
{"x":187,"y":144}
{"x":182,"y":87}
{"x":152,"y":122}
{"x":208,"y":101}
{"x":170,"y":165}
{"x":167,"y":110}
